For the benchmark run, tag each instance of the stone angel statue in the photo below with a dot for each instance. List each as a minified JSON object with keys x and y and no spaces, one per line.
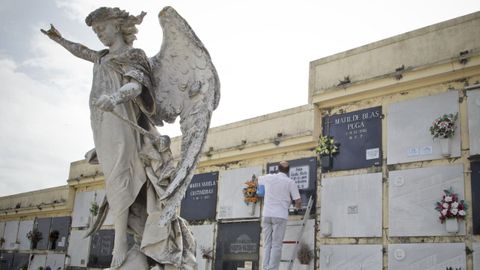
{"x":131,"y":94}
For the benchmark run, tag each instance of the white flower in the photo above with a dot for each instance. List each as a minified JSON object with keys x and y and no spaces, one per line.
{"x":448,"y":198}
{"x":445,"y":205}
{"x":462,"y":213}
{"x":454,"y":211}
{"x":444,"y":212}
{"x":455,"y":205}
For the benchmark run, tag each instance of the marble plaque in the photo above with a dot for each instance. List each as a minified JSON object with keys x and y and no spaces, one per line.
{"x":20,"y":261}
{"x":200,"y":199}
{"x":476,"y":255}
{"x":101,"y":247}
{"x":24,"y":228}
{"x":426,"y":256}
{"x":413,"y":194}
{"x":359,"y":135}
{"x":7,"y":260}
{"x":38,"y":261}
{"x":291,"y":235}
{"x":78,"y":248}
{"x":336,"y":257}
{"x":352,"y":206}
{"x":230,"y":194}
{"x":204,"y":238}
{"x":474,"y":121}
{"x":81,"y":215}
{"x":10,"y":235}
{"x":60,"y":225}
{"x":408,"y":128}
{"x":237,"y":245}
{"x":55,"y":261}
{"x":81,"y":209}
{"x":43,"y":225}
{"x":304,"y":172}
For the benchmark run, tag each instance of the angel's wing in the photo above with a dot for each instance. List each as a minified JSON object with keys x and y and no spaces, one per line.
{"x":186,"y":85}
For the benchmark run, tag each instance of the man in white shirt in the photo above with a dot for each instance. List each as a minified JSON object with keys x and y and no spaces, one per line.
{"x":280,"y":190}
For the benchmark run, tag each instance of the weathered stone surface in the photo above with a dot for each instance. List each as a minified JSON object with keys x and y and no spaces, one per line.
{"x":38,"y":261}
{"x":10,"y":234}
{"x":408,"y":124}
{"x":476,"y":255}
{"x":25,"y":226}
{"x":55,"y":261}
{"x":78,"y":248}
{"x":352,"y":206}
{"x":204,"y":238}
{"x":130,"y":94}
{"x":351,"y":257}
{"x":230,"y":194}
{"x":426,"y":256}
{"x":412,"y":197}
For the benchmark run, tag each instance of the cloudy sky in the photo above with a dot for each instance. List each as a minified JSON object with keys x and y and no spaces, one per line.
{"x":261,"y":48}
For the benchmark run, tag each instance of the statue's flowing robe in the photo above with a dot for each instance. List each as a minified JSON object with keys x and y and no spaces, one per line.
{"x":118,"y":147}
{"x":116,"y":143}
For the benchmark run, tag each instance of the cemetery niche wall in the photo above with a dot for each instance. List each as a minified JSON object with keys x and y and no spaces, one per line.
{"x":200,"y":199}
{"x":101,"y":247}
{"x":238,"y":246}
{"x":408,"y":128}
{"x":304,"y":172}
{"x":413,"y":194}
{"x":231,"y":203}
{"x":358,"y":135}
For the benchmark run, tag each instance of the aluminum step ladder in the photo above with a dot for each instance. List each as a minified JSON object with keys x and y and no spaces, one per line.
{"x":304,"y":222}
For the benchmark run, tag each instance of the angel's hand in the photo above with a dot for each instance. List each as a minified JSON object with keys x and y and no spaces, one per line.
{"x":105,"y":103}
{"x":52,"y":33}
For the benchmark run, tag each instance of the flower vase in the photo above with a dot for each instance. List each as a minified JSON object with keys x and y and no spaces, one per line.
{"x":327,"y":163}
{"x":445,"y":146}
{"x":254,"y":206}
{"x":451,"y":225}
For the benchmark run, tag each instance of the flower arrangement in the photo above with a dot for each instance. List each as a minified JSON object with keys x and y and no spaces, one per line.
{"x":326,"y":146}
{"x":304,"y":254}
{"x":450,"y":206}
{"x":94,"y":208}
{"x":34,"y":235}
{"x":444,"y":126}
{"x":250,"y":191}
{"x":53,"y":237}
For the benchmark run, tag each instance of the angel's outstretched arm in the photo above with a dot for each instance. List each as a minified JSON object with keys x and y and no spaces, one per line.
{"x":76,"y":49}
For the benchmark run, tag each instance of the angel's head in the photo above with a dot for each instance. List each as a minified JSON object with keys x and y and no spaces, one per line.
{"x":109,"y":23}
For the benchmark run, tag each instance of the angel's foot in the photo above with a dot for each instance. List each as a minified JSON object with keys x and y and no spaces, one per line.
{"x":119,"y":255}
